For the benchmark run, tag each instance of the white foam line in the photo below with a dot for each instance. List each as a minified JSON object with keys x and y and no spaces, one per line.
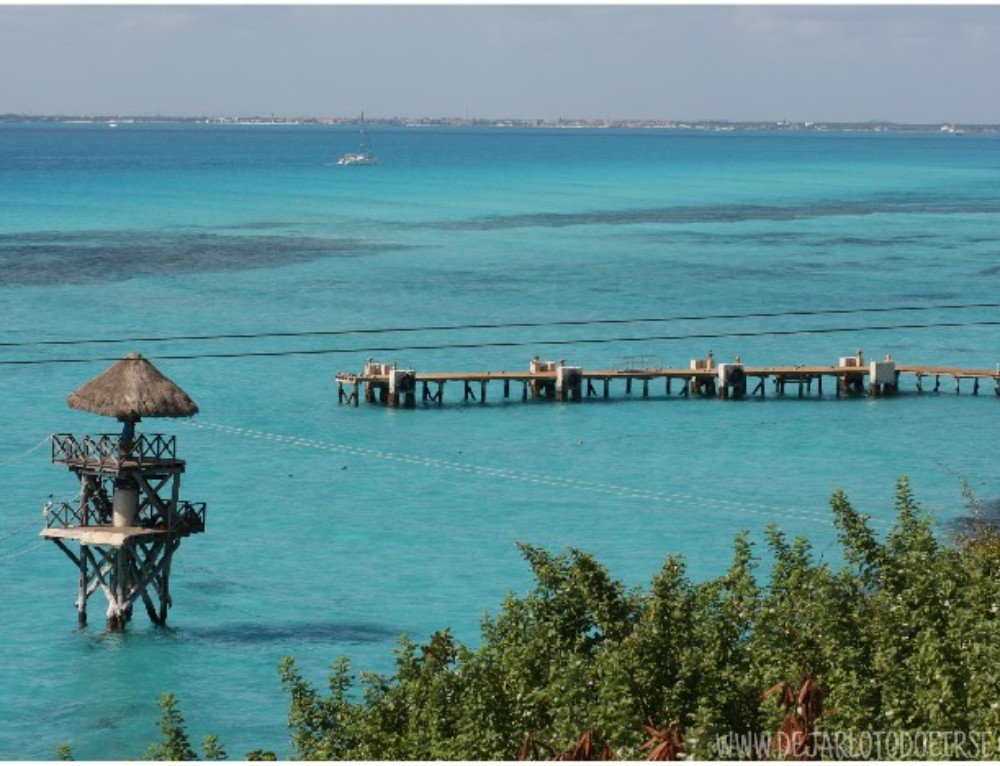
{"x":534,"y":478}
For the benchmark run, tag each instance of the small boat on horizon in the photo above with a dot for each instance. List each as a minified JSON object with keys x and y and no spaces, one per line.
{"x":364,"y":155}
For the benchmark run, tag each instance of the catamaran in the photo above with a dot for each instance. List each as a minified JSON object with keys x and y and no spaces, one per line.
{"x":363,"y":156}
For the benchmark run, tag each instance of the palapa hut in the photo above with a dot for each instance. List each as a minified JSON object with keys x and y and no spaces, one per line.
{"x":130,"y":390}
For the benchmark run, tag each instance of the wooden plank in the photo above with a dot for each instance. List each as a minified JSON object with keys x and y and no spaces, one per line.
{"x":110,"y":536}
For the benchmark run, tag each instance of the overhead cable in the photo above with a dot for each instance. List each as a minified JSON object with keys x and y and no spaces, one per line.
{"x":367,"y":350}
{"x":492,"y":326}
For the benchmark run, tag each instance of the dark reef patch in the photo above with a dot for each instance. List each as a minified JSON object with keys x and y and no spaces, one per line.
{"x":987,"y":515}
{"x":256,"y":226}
{"x":83,"y":257}
{"x":310,"y":632}
{"x":697,"y":214}
{"x":744,"y":239}
{"x":213,"y":587}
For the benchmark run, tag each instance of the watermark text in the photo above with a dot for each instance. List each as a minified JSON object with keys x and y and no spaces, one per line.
{"x":864,"y":745}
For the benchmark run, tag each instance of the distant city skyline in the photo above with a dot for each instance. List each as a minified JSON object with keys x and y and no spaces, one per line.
{"x":849,"y":63}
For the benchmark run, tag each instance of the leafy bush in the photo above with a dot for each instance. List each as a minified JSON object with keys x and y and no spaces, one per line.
{"x":904,"y":637}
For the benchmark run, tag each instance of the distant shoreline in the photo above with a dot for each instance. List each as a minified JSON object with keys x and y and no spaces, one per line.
{"x":637,"y":124}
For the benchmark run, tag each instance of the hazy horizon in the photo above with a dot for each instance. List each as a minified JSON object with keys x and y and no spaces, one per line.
{"x":746,"y":63}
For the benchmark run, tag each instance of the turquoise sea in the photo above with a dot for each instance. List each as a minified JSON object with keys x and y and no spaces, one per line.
{"x":333,"y":529}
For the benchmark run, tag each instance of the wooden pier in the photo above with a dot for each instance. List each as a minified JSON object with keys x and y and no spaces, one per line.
{"x":851,"y":376}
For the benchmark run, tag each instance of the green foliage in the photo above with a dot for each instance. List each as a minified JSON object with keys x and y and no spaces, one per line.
{"x":175,"y":745}
{"x":320,"y":725}
{"x":213,"y":749}
{"x":904,"y":636}
{"x":64,"y":752}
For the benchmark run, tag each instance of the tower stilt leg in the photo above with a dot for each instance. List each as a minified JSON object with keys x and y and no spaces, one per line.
{"x":164,"y":585}
{"x":81,"y":599}
{"x":116,"y":593}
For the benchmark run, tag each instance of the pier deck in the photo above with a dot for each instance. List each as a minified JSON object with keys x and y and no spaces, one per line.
{"x":399,"y":388}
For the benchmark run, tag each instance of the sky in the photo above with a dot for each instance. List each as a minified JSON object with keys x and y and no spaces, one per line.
{"x":851,"y":63}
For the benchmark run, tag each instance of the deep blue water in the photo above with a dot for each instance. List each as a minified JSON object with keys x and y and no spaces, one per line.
{"x":331,"y":530}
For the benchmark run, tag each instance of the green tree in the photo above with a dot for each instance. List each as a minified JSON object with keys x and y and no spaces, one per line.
{"x":175,"y":745}
{"x":213,"y":749}
{"x":320,"y":727}
{"x":905,"y":635}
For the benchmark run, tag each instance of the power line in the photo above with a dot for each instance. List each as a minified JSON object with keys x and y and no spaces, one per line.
{"x":514,"y":344}
{"x":493,"y":326}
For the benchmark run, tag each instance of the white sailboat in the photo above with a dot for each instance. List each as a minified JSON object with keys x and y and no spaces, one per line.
{"x":364,"y":154}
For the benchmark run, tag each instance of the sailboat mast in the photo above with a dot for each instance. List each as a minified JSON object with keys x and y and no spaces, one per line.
{"x":363,"y":156}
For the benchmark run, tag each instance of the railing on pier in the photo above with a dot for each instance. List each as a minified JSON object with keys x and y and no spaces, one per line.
{"x":637,"y":362}
{"x":110,"y":448}
{"x":704,"y":377}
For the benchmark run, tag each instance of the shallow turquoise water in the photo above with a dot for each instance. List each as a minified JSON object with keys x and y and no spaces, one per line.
{"x":331,"y":529}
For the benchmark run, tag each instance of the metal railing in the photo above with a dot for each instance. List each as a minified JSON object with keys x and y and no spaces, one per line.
{"x":109,"y":447}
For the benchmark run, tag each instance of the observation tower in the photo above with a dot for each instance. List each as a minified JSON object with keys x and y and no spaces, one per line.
{"x":126,"y":525}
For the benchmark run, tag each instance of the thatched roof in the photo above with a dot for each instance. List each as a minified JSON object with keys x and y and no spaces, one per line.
{"x":132,"y":389}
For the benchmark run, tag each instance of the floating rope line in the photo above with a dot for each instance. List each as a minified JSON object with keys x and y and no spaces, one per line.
{"x":516,"y":475}
{"x":24,"y":551}
{"x":24,"y":454}
{"x":33,"y":523}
